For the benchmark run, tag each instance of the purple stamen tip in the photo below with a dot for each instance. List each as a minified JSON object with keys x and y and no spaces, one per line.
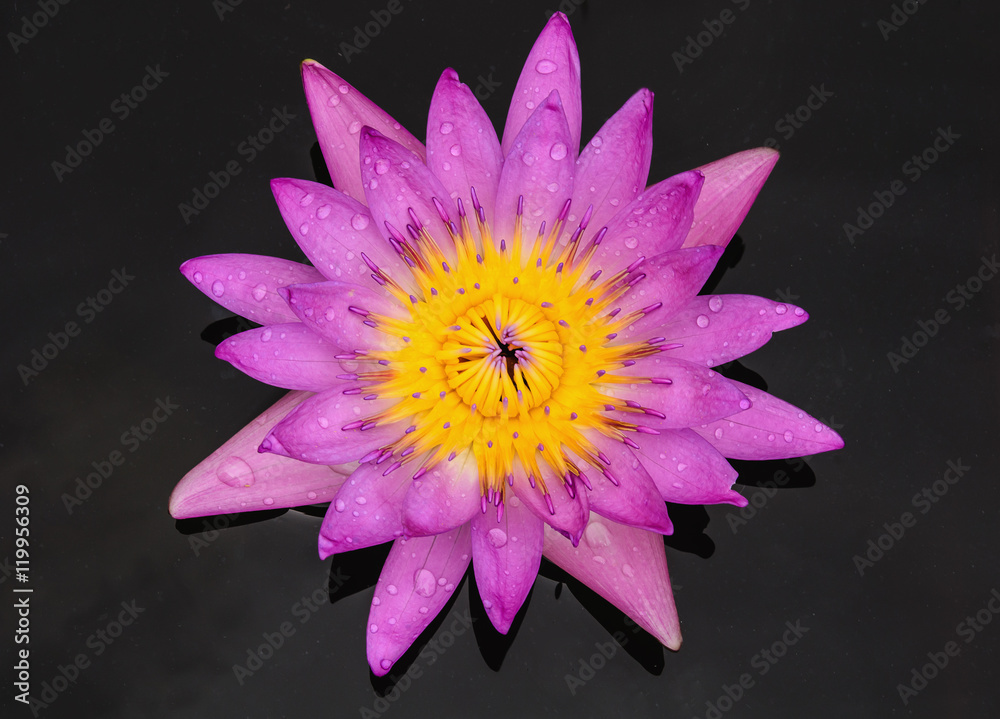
{"x":352,"y":425}
{"x":444,"y":266}
{"x":548,"y":503}
{"x":520,"y":204}
{"x":371,"y":265}
{"x":661,"y":380}
{"x":593,"y":277}
{"x":573,"y":415}
{"x":409,"y":429}
{"x":353,"y":390}
{"x":392,"y":468}
{"x":396,"y":234}
{"x":628,"y":442}
{"x":586,"y":217}
{"x":475,"y":198}
{"x":612,"y":335}
{"x":611,"y":478}
{"x":645,"y":430}
{"x":600,"y":236}
{"x":413,"y":217}
{"x":440,"y":208}
{"x":368,"y":425}
{"x":635,"y":264}
{"x":461,"y":207}
{"x":420,"y":473}
{"x":347,"y":376}
{"x":370,"y":397}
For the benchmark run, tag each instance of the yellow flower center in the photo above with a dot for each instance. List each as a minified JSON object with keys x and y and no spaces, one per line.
{"x":504,"y":353}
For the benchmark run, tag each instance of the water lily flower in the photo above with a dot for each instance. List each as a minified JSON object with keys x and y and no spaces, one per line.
{"x":498,"y":352}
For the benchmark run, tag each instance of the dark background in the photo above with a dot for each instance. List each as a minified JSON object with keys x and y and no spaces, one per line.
{"x":210,"y":590}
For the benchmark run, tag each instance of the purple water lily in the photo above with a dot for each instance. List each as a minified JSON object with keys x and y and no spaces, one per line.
{"x":499,"y":352}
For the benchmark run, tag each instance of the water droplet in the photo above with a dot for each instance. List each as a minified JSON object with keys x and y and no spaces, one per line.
{"x":597,"y":141}
{"x":744,"y":403}
{"x":323,"y":422}
{"x":487,"y":604}
{"x":497,"y":537}
{"x":354,"y":128}
{"x":329,"y":314}
{"x":344,"y":88}
{"x":218,"y":289}
{"x":597,"y":535}
{"x":681,"y":467}
{"x":545,"y":67}
{"x":373,"y":628}
{"x":310,"y":495}
{"x":631,"y":242}
{"x":381,"y":166}
{"x":304,"y":228}
{"x":235,"y":472}
{"x":385,"y":664}
{"x":333,"y":101}
{"x":359,"y":222}
{"x":788,"y":435}
{"x":323,"y":212}
{"x":799,"y":311}
{"x":339,"y":505}
{"x":558,"y":151}
{"x":423,"y":610}
{"x":780,"y":309}
{"x":455,"y":150}
{"x":446,"y":128}
{"x":718,"y":433}
{"x":376,"y":601}
{"x":424,"y":583}
{"x":268,"y":501}
{"x":306,"y":199}
{"x":392,"y":589}
{"x":552,"y":187}
{"x":361,"y":500}
{"x":198,"y":277}
{"x":599,"y":560}
{"x":528,"y":159}
{"x":715,"y":303}
{"x":702,"y":321}
{"x":628,"y":571}
{"x":819,"y":428}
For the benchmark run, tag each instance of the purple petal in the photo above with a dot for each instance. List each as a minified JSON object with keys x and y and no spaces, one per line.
{"x":505,"y":557}
{"x":731,"y":186}
{"x":236,"y":478}
{"x":635,"y":500}
{"x":539,"y":167}
{"x":614,"y":166}
{"x":692,"y":395}
{"x":444,"y":497}
{"x":626,"y":566}
{"x":770,"y":429}
{"x":417,"y":580}
{"x":248,"y":284}
{"x":672,"y":280}
{"x":288,"y":355}
{"x":397,"y":181}
{"x":655,"y":222}
{"x":552,"y":64}
{"x":313,"y":431}
{"x":338,"y":114}
{"x":687,"y":469}
{"x":325,"y":308}
{"x":571,"y":513}
{"x":368,"y":510}
{"x":333,"y":230}
{"x":716,"y":329}
{"x":462,"y":147}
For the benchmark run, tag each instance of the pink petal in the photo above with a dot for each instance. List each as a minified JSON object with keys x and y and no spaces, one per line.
{"x":288,"y":355}
{"x":693,"y":394}
{"x":655,"y":222}
{"x":333,"y":230}
{"x":671,"y":281}
{"x":235,"y":478}
{"x":552,"y":64}
{"x":506,"y":554}
{"x":443,"y":498}
{"x":338,"y":114}
{"x":770,"y":429}
{"x":570,"y":513}
{"x":366,"y":511}
{"x":614,"y":166}
{"x":397,"y":181}
{"x":626,"y":566}
{"x":248,"y":284}
{"x":417,"y":580}
{"x":715,"y":329}
{"x":687,"y":469}
{"x":539,"y":167}
{"x":313,"y":431}
{"x":634,"y":500}
{"x":462,"y":147}
{"x":731,"y":186}
{"x":325,"y":308}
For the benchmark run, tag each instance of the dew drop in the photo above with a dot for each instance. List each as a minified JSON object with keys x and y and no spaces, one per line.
{"x":376,"y":601}
{"x":268,"y":501}
{"x":744,"y":403}
{"x":373,"y":628}
{"x":423,"y":610}
{"x":304,"y":228}
{"x":361,"y":500}
{"x":558,"y":151}
{"x":354,"y":128}
{"x":359,"y":221}
{"x":597,"y":141}
{"x":631,"y":242}
{"x":552,"y":187}
{"x":788,"y":435}
{"x":385,"y":664}
{"x":780,"y":309}
{"x":799,"y":311}
{"x":344,"y":88}
{"x":545,"y":67}
{"x":455,"y":150}
{"x":681,"y":467}
{"x":487,"y":604}
{"x":310,"y":495}
{"x":497,"y":537}
{"x":446,"y":128}
{"x":333,"y":101}
{"x":329,"y":314}
{"x":381,"y":166}
{"x":392,"y":589}
{"x":424,"y":583}
{"x":265,"y":336}
{"x":818,"y":428}
{"x":718,"y":433}
{"x":702,"y":321}
{"x":597,"y":535}
{"x":715,"y":303}
{"x":323,"y":212}
{"x":628,"y":571}
{"x":306,"y":199}
{"x":528,"y":159}
{"x":323,"y":422}
{"x":218,"y":289}
{"x":339,"y":505}
{"x":198,"y":277}
{"x":235,"y":472}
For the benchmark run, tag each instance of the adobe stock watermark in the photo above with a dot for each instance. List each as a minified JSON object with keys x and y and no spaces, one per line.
{"x":59,"y":340}
{"x":606,"y":651}
{"x":121,"y":107}
{"x":958,"y":298}
{"x":363,"y":36}
{"x":247,"y":149}
{"x":130,"y":440}
{"x":435,"y":648}
{"x":763,"y":661}
{"x":913,"y":169}
{"x":923,"y":501}
{"x":566,"y":7}
{"x":303,"y":610}
{"x":793,"y":121}
{"x":967,"y":629}
{"x":222,"y":7}
{"x":67,"y":675}
{"x":47,"y":9}
{"x":697,"y":44}
{"x":899,"y":16}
